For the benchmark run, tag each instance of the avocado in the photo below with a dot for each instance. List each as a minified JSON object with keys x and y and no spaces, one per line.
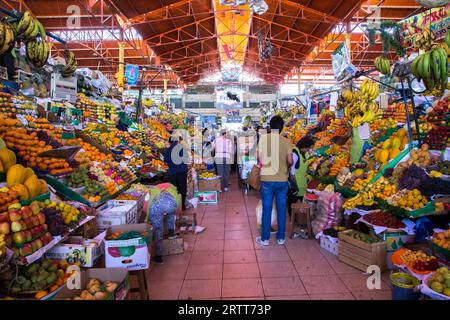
{"x":51,"y":279}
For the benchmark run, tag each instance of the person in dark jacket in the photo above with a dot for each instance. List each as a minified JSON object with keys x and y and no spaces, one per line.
{"x":176,"y":156}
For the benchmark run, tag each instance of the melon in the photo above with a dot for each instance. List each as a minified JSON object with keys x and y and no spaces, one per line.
{"x":33,"y":186}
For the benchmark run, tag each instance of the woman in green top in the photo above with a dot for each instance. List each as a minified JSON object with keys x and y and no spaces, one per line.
{"x":298,"y":169}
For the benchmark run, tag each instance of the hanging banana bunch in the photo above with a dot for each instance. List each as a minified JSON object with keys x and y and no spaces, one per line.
{"x":7,"y":37}
{"x":424,"y":40}
{"x":71,"y":64}
{"x":432,"y":68}
{"x":361,"y":107}
{"x":383,"y":65}
{"x":32,"y":33}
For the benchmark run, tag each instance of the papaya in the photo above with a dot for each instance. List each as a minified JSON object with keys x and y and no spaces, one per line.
{"x":377,"y":155}
{"x":28,"y":173}
{"x":33,"y":185}
{"x":384,"y":156}
{"x":22,"y":190}
{"x":15,"y":174}
{"x":386,"y":144}
{"x":43,"y":186}
{"x":1,"y":167}
{"x":401,"y":133}
{"x":7,"y":158}
{"x":405,"y":141}
{"x":2,"y":144}
{"x":395,"y":143}
{"x":393,"y":153}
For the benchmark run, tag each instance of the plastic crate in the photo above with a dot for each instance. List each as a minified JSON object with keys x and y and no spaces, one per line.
{"x":116,"y":212}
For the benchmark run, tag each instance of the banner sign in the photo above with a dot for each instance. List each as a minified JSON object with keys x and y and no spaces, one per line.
{"x":132,"y":74}
{"x":229,"y":98}
{"x":342,"y":66}
{"x":436,"y":20}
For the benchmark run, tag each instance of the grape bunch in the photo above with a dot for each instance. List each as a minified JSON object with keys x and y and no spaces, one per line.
{"x":54,"y":220}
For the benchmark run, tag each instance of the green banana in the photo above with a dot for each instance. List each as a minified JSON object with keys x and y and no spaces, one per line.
{"x":30,"y":29}
{"x":41,"y":29}
{"x":447,"y":38}
{"x":443,"y":67}
{"x":35,"y":31}
{"x":435,"y":65}
{"x":24,"y":22}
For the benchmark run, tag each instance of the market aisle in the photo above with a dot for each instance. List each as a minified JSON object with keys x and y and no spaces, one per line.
{"x":224,"y":263}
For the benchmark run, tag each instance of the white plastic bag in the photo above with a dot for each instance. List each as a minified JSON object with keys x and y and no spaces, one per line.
{"x":259,"y":215}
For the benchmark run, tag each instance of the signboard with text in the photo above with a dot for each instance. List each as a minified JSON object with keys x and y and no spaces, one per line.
{"x":437,"y":20}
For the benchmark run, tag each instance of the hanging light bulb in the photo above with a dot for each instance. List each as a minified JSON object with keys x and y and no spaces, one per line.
{"x":258,"y":6}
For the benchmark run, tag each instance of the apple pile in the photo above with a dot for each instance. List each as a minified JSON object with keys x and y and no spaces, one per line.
{"x":25,"y":229}
{"x":439,"y":136}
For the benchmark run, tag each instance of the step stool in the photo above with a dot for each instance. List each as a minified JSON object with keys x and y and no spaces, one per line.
{"x":300,"y":208}
{"x":142,"y":288}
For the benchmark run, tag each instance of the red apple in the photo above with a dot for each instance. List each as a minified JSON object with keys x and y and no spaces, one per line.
{"x":39,"y":243}
{"x":35,"y":208}
{"x":28,"y":223}
{"x":19,"y":237}
{"x":35,"y":220}
{"x":26,"y":212}
{"x":4,"y":217}
{"x":41,"y":217}
{"x":28,"y":235}
{"x":24,"y":225}
{"x":34,"y":232}
{"x":33,"y":246}
{"x":26,"y":250}
{"x":15,"y":215}
{"x":5,"y":228}
{"x":16,"y":226}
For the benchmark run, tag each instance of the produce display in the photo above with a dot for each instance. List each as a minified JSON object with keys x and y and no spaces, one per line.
{"x":442,"y":239}
{"x":38,"y":279}
{"x":96,"y":290}
{"x":362,"y":236}
{"x":440,"y":281}
{"x":419,"y":260}
{"x":383,"y":219}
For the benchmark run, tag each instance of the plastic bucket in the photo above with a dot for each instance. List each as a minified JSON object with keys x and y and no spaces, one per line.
{"x":403,"y":286}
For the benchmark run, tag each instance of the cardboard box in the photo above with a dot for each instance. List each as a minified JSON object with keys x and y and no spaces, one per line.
{"x":209,"y":184}
{"x":115,"y":213}
{"x":173,"y":246}
{"x":360,"y":254}
{"x":397,"y":240}
{"x":87,"y":251}
{"x":328,"y":245}
{"x":130,"y":254}
{"x":207,"y":197}
{"x":120,"y":276}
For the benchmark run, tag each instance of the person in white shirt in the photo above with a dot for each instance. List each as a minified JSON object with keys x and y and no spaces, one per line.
{"x":224,"y":157}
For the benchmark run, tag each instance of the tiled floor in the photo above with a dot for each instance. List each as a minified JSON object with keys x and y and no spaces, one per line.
{"x":223,"y":262}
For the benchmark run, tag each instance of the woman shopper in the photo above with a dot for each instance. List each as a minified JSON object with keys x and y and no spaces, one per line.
{"x":224,"y":155}
{"x":177,"y":158}
{"x":298,"y":169}
{"x":275,"y":158}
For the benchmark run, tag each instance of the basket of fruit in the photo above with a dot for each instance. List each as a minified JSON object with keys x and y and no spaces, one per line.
{"x":417,"y":262}
{"x":437,"y":285}
{"x":440,"y":243}
{"x":208,"y":176}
